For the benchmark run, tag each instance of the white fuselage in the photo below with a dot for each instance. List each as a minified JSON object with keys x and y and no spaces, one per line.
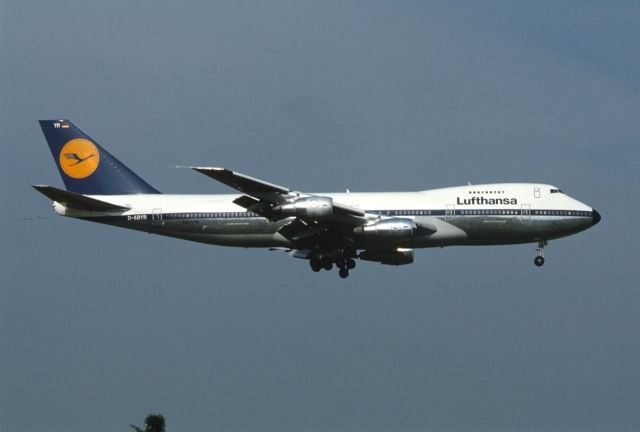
{"x":466,"y":215}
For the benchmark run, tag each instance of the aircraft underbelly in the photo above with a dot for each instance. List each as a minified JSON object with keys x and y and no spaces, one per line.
{"x":485,"y":230}
{"x":260,"y":232}
{"x":241,"y":232}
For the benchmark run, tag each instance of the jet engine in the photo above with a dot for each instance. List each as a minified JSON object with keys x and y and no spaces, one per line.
{"x":311,"y":207}
{"x":388,"y":229}
{"x":390,"y":257}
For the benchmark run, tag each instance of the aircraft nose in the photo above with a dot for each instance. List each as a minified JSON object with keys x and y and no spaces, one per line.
{"x":596,"y":216}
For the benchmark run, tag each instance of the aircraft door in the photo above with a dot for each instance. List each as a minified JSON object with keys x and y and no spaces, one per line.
{"x":450,"y":213}
{"x":156,"y":217}
{"x":525,"y":213}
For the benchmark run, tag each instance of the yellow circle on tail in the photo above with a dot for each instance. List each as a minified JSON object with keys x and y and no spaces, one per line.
{"x":79,"y":158}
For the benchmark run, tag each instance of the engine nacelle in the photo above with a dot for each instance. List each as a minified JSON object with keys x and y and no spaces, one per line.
{"x":390,"y":257}
{"x":391,"y":229}
{"x":311,"y":207}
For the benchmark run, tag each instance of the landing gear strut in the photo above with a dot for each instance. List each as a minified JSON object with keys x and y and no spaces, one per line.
{"x":345,"y":265}
{"x":539,"y":260}
{"x":343,"y":259}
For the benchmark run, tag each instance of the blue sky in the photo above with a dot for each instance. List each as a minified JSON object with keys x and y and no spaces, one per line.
{"x":100,"y":326}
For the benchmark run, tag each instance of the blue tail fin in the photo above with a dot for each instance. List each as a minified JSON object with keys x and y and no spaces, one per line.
{"x":85,"y":167}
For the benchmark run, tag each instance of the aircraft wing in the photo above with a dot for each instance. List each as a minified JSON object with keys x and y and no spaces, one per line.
{"x":314,"y":214}
{"x":260,"y":190}
{"x":246,"y":184}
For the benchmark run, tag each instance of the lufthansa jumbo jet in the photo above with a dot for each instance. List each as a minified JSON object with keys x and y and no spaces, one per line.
{"x":326,"y":229}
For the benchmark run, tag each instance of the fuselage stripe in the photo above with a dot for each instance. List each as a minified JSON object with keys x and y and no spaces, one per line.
{"x":393,"y":213}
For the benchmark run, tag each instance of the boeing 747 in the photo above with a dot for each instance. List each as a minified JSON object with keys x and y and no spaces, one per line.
{"x":327,"y":229}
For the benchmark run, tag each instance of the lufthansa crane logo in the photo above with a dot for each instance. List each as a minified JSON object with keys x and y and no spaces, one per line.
{"x":79,"y":158}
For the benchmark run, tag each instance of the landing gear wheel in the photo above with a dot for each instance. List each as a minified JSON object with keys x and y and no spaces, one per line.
{"x":341,"y":263}
{"x":539,"y":260}
{"x":327,"y":265}
{"x":315,"y":265}
{"x":351,"y":263}
{"x":344,"y":273}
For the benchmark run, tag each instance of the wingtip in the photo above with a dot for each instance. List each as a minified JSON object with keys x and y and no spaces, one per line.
{"x":198,"y":167}
{"x":203,"y":169}
{"x":209,"y":169}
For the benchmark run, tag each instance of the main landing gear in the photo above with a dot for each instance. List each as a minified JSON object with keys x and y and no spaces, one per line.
{"x":345,"y":265}
{"x":539,"y":260}
{"x":343,"y":261}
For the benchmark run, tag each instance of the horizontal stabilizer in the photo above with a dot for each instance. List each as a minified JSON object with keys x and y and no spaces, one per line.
{"x":77,"y":201}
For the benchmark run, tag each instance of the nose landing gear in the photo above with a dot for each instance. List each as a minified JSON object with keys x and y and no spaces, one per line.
{"x":539,"y":260}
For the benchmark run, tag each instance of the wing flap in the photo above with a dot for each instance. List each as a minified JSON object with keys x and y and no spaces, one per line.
{"x":347,"y":210}
{"x":246,"y":201}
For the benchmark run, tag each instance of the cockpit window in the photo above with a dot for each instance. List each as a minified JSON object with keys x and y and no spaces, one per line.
{"x":556,"y":191}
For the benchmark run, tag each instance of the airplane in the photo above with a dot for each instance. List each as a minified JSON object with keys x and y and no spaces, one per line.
{"x":327,"y":229}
